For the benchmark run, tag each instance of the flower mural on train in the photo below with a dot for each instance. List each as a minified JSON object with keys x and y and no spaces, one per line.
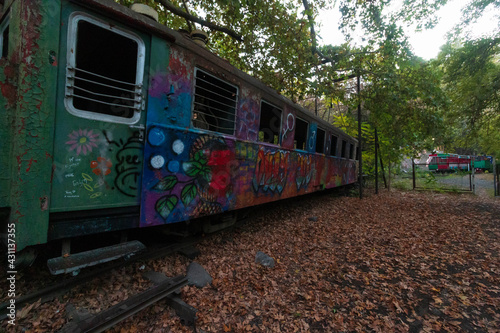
{"x":82,"y":141}
{"x":200,"y":180}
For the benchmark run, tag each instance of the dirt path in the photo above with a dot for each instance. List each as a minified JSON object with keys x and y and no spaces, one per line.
{"x":483,"y":183}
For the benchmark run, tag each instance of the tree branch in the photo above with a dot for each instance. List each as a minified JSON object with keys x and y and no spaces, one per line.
{"x":179,"y":12}
{"x":314,"y":47}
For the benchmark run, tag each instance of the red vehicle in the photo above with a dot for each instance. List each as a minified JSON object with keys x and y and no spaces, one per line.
{"x":449,"y":162}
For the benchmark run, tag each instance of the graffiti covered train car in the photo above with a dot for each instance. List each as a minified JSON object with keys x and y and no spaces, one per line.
{"x":112,"y":121}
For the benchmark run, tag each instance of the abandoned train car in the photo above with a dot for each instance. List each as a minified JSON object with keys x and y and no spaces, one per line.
{"x":111,"y":121}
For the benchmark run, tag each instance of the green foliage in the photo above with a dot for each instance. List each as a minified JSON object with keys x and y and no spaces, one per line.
{"x":413,"y":104}
{"x":471,"y":79}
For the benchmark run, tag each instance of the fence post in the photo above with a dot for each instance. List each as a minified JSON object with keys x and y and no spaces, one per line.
{"x":473,"y":185}
{"x":413,"y":171}
{"x":496,"y":182}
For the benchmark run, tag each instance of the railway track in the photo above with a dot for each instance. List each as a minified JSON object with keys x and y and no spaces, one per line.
{"x":164,"y":290}
{"x":51,"y":292}
{"x":108,"y":318}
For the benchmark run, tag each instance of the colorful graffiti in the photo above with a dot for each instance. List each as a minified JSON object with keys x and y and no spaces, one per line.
{"x":191,"y":175}
{"x":271,"y":171}
{"x":247,"y":120}
{"x":288,"y":128}
{"x":170,"y":92}
{"x":305,"y":170}
{"x":194,"y":182}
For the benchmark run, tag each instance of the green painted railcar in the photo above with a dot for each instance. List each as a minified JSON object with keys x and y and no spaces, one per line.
{"x":111,"y":121}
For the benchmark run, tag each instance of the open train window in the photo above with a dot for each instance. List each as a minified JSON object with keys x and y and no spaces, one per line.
{"x":351,"y":151}
{"x":4,"y":37}
{"x":270,"y":123}
{"x":214,"y":103}
{"x":300,"y":138}
{"x":343,"y":152}
{"x":357,"y":153}
{"x":320,"y":141}
{"x":333,"y":146}
{"x":104,"y":72}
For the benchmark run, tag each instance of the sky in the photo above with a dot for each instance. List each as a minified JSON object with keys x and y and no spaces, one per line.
{"x":426,"y":44}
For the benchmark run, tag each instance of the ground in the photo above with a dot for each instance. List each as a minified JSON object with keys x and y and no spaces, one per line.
{"x":400,"y":261}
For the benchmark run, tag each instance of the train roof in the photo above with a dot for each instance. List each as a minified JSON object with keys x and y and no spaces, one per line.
{"x":128,"y":16}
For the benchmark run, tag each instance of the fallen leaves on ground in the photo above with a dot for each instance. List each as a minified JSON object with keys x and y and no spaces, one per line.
{"x":394,"y":262}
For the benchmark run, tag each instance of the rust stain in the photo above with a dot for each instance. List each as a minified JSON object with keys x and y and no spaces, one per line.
{"x":8,"y":89}
{"x":30,"y":163}
{"x":22,"y":127}
{"x":20,"y":159}
{"x":9,"y":92}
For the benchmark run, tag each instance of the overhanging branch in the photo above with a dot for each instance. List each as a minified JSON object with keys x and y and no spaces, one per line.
{"x":314,"y":48}
{"x":179,"y":12}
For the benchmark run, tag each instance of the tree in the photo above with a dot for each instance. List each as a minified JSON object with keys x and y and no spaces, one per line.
{"x":278,"y":45}
{"x":471,"y":78}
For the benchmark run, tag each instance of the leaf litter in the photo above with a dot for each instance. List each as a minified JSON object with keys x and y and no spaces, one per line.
{"x":393,"y":262}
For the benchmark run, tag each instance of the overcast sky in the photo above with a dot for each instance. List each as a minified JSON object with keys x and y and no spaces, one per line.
{"x":426,"y":44}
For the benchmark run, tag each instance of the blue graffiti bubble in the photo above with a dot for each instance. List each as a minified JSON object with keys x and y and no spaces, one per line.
{"x":156,"y":136}
{"x":173,"y":166}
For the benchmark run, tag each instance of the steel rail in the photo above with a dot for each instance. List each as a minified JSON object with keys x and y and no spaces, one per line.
{"x":121,"y":311}
{"x":49,"y":293}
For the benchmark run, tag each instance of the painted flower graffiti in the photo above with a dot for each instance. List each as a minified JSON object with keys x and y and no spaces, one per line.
{"x":83,"y":141}
{"x":101,"y":167}
{"x":206,"y":178}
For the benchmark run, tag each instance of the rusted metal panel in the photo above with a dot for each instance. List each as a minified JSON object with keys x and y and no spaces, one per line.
{"x":34,"y":27}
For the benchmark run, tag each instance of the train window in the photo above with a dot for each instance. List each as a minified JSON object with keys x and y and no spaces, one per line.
{"x":320,"y":141}
{"x":333,"y":146}
{"x":357,"y":153}
{"x":4,"y":38}
{"x":270,"y":123}
{"x":104,"y":72}
{"x":300,"y":138}
{"x":344,"y":150}
{"x":214,"y":103}
{"x":351,"y":151}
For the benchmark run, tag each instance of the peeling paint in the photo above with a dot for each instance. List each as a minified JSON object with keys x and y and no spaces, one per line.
{"x":44,"y":203}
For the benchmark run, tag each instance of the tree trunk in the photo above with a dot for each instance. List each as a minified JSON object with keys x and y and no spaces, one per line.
{"x":382,"y":165}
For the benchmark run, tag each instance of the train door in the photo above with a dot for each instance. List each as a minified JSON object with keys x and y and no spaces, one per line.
{"x":100,"y":114}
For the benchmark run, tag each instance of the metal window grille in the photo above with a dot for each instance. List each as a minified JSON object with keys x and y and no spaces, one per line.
{"x":214,"y":106}
{"x":104,"y":72}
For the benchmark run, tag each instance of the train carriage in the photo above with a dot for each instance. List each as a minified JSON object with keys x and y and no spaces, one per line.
{"x":449,"y":162}
{"x":111,"y":121}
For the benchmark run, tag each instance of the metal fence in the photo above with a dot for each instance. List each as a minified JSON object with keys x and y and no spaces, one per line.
{"x":447,"y":180}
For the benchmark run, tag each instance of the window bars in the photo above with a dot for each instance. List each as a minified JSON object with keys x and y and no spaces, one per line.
{"x":214,"y":106}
